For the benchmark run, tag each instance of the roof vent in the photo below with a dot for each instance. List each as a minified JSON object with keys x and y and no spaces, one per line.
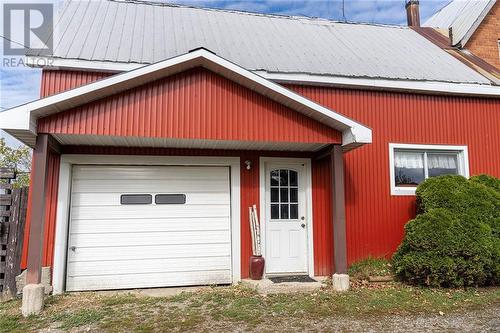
{"x":413,"y":13}
{"x":201,"y":48}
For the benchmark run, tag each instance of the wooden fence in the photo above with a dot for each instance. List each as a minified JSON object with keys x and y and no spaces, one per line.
{"x":13,"y":204}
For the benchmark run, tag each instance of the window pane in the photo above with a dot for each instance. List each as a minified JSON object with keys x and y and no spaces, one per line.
{"x":283,"y":177}
{"x":294,"y":211}
{"x":294,"y":195}
{"x":136,"y":199}
{"x":275,"y":177}
{"x":408,"y":168}
{"x":275,"y":211}
{"x":284,"y":211}
{"x":170,"y":199}
{"x":293,"y":178}
{"x":275,"y":194}
{"x":442,"y":164}
{"x":283,"y":195}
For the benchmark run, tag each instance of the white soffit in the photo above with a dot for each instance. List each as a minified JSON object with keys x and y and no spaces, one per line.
{"x":21,"y":121}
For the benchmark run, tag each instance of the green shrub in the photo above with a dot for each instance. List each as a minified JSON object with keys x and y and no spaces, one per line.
{"x":455,"y":239}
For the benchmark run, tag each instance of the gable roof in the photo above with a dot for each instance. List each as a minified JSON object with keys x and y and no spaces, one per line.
{"x":109,"y":33}
{"x":21,"y":121}
{"x":461,"y":18}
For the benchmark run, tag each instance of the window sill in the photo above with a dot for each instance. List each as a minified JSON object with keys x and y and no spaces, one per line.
{"x":401,"y":191}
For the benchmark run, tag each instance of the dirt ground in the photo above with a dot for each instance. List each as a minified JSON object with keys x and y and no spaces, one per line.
{"x":366,"y":308}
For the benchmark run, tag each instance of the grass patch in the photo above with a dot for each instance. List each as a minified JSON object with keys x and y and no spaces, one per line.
{"x":80,"y":317}
{"x":237,"y":308}
{"x":370,"y":267}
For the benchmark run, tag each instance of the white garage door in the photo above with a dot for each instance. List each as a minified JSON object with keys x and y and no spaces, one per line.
{"x":130,"y":227}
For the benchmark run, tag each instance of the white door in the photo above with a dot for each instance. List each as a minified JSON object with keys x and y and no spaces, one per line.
{"x":285,"y":224}
{"x":148,"y":226}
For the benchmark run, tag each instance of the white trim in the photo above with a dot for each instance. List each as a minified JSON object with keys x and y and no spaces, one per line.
{"x":463,"y":162}
{"x":353,"y":133}
{"x":433,"y":87}
{"x":309,"y":212}
{"x":64,"y":196}
{"x":474,"y":26}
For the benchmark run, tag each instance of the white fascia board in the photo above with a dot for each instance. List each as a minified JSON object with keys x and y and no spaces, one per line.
{"x":432,"y":87}
{"x":353,"y":132}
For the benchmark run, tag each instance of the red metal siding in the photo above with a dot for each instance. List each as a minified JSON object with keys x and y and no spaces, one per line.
{"x":50,"y":213}
{"x":375,"y":219}
{"x":54,"y":82}
{"x":322,"y":217}
{"x":197,"y":104}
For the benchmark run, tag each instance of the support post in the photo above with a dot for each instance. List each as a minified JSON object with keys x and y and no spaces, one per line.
{"x":340,"y":277}
{"x":33,"y":292}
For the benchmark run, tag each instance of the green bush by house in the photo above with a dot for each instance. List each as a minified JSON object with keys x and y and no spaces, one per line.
{"x":455,"y":239}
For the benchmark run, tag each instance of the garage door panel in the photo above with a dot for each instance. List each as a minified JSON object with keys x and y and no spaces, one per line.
{"x":150,"y":211}
{"x":108,"y":282}
{"x":173,"y":173}
{"x":113,"y":246}
{"x":150,"y":185}
{"x":148,"y":225}
{"x":113,"y":199}
{"x":145,"y":266}
{"x":149,"y":238}
{"x":148,"y":252}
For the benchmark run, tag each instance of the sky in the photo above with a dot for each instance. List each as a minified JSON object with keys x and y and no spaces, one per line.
{"x":19,"y":84}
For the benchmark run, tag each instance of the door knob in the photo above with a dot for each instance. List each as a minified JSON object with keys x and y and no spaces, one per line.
{"x":73,"y":248}
{"x":303,"y":225}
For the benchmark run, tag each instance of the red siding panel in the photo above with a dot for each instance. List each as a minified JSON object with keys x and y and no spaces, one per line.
{"x":375,"y":219}
{"x":322,"y":217}
{"x":197,"y":104}
{"x":54,"y":82}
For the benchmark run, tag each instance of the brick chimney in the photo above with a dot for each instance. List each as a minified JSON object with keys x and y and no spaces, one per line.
{"x":412,"y":13}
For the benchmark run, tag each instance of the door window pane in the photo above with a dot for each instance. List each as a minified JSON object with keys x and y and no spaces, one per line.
{"x":408,"y":168}
{"x":275,"y":211}
{"x":294,"y":211}
{"x":283,"y":177}
{"x":275,"y":178}
{"x":275,"y":196}
{"x":284,"y":192}
{"x":284,"y":212}
{"x":442,"y":164}
{"x":293,"y":178}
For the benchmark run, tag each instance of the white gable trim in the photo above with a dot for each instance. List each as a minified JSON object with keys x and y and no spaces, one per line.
{"x":19,"y":121}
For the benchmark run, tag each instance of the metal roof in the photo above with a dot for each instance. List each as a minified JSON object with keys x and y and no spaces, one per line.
{"x":137,"y":32}
{"x":461,"y":18}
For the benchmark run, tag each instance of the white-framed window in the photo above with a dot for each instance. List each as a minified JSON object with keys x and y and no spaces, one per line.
{"x":411,"y":164}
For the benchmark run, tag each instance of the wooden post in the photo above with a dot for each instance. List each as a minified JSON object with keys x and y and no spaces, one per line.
{"x":37,"y":216}
{"x":338,"y":205}
{"x":15,"y":241}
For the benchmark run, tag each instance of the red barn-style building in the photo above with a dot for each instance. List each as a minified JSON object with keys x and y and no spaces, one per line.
{"x":159,"y":125}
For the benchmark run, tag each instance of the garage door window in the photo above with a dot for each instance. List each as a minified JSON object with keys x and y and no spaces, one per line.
{"x":170,"y":199}
{"x":136,"y":199}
